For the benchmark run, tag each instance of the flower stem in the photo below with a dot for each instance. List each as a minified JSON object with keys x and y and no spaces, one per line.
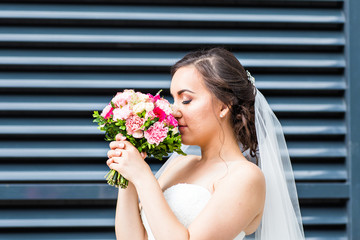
{"x":116,"y":179}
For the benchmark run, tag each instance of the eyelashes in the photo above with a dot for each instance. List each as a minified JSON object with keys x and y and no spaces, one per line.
{"x":186,"y":102}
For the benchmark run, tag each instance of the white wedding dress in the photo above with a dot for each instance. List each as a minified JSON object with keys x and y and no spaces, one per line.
{"x":186,"y":201}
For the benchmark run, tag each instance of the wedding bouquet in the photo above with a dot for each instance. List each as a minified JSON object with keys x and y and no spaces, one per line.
{"x":145,"y":120}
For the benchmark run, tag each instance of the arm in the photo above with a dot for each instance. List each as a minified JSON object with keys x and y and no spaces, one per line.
{"x":162,"y":221}
{"x":128,"y":224}
{"x":226,"y":214}
{"x":126,"y":159}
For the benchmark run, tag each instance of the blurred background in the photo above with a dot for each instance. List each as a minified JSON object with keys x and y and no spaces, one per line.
{"x":61,"y":60}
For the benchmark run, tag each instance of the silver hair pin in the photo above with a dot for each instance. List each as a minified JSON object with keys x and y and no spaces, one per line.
{"x":250,"y":78}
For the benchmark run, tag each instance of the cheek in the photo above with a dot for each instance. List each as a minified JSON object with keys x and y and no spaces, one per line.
{"x":200,"y":114}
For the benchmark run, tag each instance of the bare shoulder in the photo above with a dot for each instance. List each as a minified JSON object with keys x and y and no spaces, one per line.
{"x":236,"y":204}
{"x":243,"y":174}
{"x":175,"y":167}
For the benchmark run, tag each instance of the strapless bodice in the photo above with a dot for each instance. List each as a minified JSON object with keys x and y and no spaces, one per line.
{"x":186,"y":201}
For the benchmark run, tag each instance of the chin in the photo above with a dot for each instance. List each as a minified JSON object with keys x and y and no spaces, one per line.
{"x":187,"y":141}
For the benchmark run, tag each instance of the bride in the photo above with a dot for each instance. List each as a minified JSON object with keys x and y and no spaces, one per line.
{"x":220,"y":194}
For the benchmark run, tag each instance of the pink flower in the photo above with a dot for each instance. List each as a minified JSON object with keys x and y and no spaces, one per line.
{"x":122,"y":98}
{"x":164,"y":105}
{"x":156,"y":133}
{"x":153,"y":98}
{"x":106,"y":113}
{"x":121,"y":113}
{"x":150,"y":115}
{"x":171,"y":120}
{"x":159,"y":113}
{"x":133,"y":125}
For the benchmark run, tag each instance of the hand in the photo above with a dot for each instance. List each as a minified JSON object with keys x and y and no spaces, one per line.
{"x":126,"y":159}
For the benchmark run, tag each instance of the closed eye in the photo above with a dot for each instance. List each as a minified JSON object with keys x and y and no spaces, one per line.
{"x":186,"y":102}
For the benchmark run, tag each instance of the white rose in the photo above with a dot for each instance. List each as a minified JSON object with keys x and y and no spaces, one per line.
{"x":139,"y":108}
{"x":149,"y":106}
{"x":142,"y":97}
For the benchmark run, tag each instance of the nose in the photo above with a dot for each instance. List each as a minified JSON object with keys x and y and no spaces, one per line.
{"x":176,"y":111}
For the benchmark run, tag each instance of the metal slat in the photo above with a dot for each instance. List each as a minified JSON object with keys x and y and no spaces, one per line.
{"x":59,"y":234}
{"x":96,"y":172}
{"x":60,"y":81}
{"x":73,"y":191}
{"x":321,"y":150}
{"x":57,"y":217}
{"x":117,"y":60}
{"x":178,"y":15}
{"x":303,"y":82}
{"x":89,"y":234}
{"x":324,"y":215}
{"x":55,"y":149}
{"x":307,"y":104}
{"x":53,"y":172}
{"x":161,"y":38}
{"x":104,"y":217}
{"x":95,"y":150}
{"x":97,"y":191}
{"x":323,"y":190}
{"x":312,"y":127}
{"x":320,"y":172}
{"x":328,"y":234}
{"x":274,"y":3}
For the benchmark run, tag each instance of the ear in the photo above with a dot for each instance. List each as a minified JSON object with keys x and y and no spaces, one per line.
{"x":224,"y":110}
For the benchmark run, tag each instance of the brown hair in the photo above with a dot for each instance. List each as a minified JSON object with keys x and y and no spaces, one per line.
{"x":226,"y":78}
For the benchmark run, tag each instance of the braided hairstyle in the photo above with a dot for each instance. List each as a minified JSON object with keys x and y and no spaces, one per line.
{"x":226,"y":78}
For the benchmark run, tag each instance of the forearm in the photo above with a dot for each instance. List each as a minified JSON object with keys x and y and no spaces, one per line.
{"x":128,"y":224}
{"x":163,"y":222}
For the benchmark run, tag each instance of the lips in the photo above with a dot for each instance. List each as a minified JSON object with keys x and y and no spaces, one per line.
{"x":182,"y":127}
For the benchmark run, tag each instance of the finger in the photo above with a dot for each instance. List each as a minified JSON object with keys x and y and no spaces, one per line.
{"x":113,"y":145}
{"x":109,"y":161}
{"x":117,"y":159}
{"x":117,"y":144}
{"x":114,"y":153}
{"x":121,"y":145}
{"x":120,"y":137}
{"x":113,"y":166}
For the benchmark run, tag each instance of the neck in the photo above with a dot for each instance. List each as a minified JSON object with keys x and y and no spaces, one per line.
{"x":222,"y":146}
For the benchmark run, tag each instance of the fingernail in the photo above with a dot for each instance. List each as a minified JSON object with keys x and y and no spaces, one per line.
{"x":121,"y":145}
{"x":117,"y":153}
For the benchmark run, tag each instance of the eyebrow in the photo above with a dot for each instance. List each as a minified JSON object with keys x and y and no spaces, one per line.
{"x":184,"y":90}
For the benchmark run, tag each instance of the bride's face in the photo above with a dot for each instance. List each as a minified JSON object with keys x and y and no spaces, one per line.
{"x":195,"y":107}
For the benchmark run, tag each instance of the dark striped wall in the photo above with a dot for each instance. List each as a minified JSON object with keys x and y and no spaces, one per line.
{"x":61,"y":60}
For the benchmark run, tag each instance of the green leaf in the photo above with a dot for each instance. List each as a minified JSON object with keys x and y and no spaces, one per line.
{"x":112,"y":104}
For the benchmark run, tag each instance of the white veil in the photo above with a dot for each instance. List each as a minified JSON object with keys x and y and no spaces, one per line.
{"x":281,"y":218}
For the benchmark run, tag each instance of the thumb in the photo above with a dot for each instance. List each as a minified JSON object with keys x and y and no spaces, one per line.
{"x":143,"y":155}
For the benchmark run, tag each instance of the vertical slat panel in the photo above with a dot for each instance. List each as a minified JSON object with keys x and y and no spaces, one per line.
{"x":61,"y":60}
{"x":353,"y":115}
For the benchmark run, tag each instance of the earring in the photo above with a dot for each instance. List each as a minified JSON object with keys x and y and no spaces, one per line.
{"x":221,"y":115}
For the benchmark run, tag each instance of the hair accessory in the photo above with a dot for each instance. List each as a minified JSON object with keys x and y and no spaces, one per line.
{"x":250,"y":78}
